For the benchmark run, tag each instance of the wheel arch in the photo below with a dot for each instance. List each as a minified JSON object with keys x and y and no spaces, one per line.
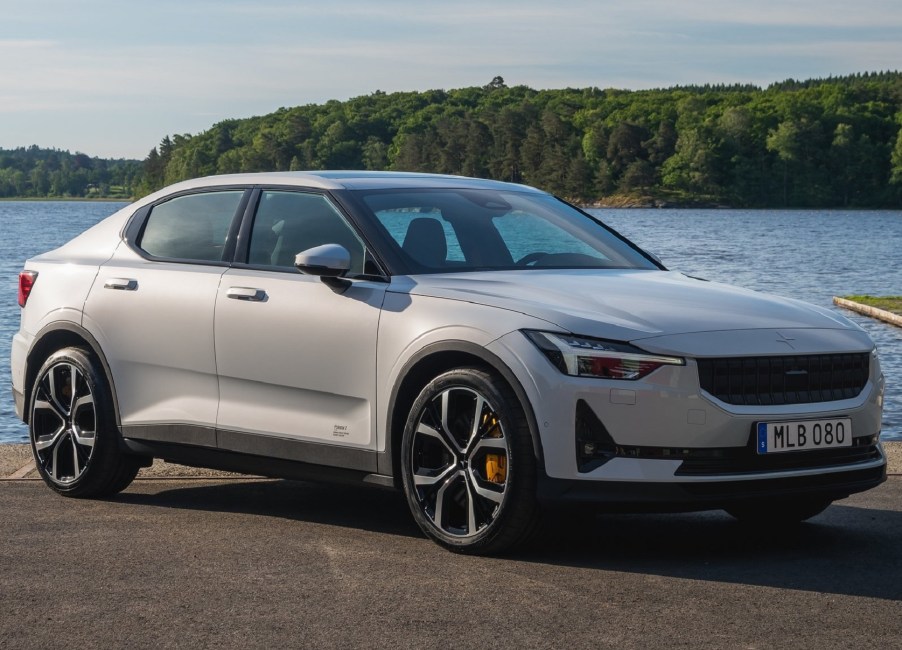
{"x":426,"y":365}
{"x":57,"y":336}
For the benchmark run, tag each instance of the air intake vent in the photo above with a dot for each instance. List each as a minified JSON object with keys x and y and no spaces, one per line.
{"x":765,"y":381}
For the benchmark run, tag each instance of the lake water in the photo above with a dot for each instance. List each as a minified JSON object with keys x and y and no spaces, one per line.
{"x":811,"y":255}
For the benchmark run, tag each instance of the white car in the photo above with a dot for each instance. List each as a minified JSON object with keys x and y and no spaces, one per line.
{"x":485,"y":347}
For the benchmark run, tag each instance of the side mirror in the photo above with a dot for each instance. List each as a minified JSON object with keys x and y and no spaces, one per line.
{"x":326,"y":261}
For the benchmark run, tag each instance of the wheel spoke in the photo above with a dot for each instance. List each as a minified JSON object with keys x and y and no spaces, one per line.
{"x":54,"y":393}
{"x":425,"y":480}
{"x":81,"y":402}
{"x":44,"y":405}
{"x":73,"y":386}
{"x":54,"y":460}
{"x":76,"y":465}
{"x":471,"y":509}
{"x":43,"y":442}
{"x":84,"y":438}
{"x":488,"y":443}
{"x":440,"y":501}
{"x":485,"y":493}
{"x":441,"y":436}
{"x":444,"y":401}
{"x":477,"y":419}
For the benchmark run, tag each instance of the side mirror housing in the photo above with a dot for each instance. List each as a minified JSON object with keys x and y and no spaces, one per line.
{"x":326,"y":261}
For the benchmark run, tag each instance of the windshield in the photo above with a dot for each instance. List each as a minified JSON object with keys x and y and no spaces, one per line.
{"x":441,"y":231}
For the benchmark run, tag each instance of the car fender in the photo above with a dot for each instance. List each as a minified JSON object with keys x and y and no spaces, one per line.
{"x":57,"y":335}
{"x":406,"y":346}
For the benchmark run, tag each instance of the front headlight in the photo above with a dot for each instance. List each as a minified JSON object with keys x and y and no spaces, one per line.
{"x":582,"y":356}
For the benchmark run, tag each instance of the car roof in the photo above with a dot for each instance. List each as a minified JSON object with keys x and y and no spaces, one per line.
{"x":352,"y":180}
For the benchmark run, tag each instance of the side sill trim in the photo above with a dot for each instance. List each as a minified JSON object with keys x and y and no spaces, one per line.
{"x":251,"y":464}
{"x":185,"y":434}
{"x":313,"y":453}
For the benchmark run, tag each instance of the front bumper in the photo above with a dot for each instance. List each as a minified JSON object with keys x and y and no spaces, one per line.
{"x":614,"y":496}
{"x":676,"y":446}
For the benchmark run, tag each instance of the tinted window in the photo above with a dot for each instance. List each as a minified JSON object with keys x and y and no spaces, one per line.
{"x":527,"y":234}
{"x":192,"y":227}
{"x":290,"y":222}
{"x":469,"y":230}
{"x":398,"y":224}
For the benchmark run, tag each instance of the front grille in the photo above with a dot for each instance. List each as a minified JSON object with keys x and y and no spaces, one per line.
{"x":802,"y":379}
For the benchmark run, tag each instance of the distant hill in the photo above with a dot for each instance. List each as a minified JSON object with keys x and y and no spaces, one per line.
{"x":33,"y":172}
{"x":831,"y":142}
{"x":818,"y":143}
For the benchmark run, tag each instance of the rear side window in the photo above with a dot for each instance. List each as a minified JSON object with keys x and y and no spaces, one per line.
{"x":192,"y":227}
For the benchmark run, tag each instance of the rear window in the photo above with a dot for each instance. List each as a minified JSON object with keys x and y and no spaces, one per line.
{"x":193,"y":227}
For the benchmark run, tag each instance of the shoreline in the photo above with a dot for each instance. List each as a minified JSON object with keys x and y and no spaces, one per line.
{"x":65,"y":199}
{"x":884,"y":315}
{"x":607,"y":203}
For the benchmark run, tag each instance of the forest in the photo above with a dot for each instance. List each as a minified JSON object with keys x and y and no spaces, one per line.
{"x":33,"y":172}
{"x":834,"y":142}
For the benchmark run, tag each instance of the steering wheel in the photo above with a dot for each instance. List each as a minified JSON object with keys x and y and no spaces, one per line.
{"x":532,"y":257}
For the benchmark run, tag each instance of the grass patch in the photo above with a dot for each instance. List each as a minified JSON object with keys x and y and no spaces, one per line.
{"x":887,"y":303}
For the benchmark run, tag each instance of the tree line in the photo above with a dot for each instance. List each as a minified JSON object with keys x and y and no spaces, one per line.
{"x":33,"y":172}
{"x":817,"y":143}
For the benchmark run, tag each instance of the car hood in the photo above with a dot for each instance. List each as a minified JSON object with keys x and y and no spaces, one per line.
{"x":626,"y":305}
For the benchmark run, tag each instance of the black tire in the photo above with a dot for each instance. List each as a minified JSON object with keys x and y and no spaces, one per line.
{"x":470,"y":482}
{"x":73,"y":431}
{"x":778,"y":514}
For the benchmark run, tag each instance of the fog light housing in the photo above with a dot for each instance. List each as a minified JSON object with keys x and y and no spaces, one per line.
{"x":594,"y":445}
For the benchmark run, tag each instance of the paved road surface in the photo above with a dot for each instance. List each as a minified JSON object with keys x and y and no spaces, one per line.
{"x":280,"y":564}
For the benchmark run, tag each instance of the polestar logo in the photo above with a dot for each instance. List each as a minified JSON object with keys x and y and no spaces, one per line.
{"x":785,"y":339}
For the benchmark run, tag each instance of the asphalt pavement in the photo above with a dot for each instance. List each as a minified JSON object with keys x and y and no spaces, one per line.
{"x":235,"y":563}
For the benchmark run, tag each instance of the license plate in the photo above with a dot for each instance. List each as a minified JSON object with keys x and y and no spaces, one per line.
{"x":799,"y":435}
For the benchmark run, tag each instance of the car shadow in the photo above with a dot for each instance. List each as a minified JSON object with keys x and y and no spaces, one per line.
{"x":363,"y":507}
{"x":846,"y":550}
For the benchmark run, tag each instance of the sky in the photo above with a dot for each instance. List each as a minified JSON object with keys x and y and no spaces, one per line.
{"x":111,"y":78}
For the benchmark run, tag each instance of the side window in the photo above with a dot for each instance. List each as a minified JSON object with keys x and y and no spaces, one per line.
{"x":290,"y":222}
{"x":192,"y":227}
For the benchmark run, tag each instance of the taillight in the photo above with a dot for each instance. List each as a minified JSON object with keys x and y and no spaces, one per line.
{"x":26,"y":282}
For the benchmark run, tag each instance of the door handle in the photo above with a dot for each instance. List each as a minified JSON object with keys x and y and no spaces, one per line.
{"x":246,"y":293}
{"x":121,"y":284}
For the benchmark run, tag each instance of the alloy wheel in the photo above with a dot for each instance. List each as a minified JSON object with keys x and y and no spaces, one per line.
{"x":63,"y":423}
{"x":459,"y":462}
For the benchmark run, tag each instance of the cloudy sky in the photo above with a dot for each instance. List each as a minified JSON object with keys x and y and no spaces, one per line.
{"x":112,"y":77}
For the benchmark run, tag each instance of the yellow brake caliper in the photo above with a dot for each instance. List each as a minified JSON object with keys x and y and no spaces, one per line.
{"x":495,"y":464}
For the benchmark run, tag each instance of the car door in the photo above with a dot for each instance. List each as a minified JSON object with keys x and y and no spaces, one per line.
{"x":297,"y":357}
{"x":151,"y":310}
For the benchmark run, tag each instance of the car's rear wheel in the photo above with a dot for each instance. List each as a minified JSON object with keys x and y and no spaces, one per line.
{"x":468,"y":466}
{"x":72,"y":428}
{"x":778,"y":513}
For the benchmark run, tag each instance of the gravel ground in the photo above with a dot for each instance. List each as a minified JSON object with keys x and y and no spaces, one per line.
{"x":14,"y":458}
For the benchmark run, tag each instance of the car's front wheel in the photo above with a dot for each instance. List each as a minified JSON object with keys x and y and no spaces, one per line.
{"x":72,"y":428}
{"x":468,"y":466}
